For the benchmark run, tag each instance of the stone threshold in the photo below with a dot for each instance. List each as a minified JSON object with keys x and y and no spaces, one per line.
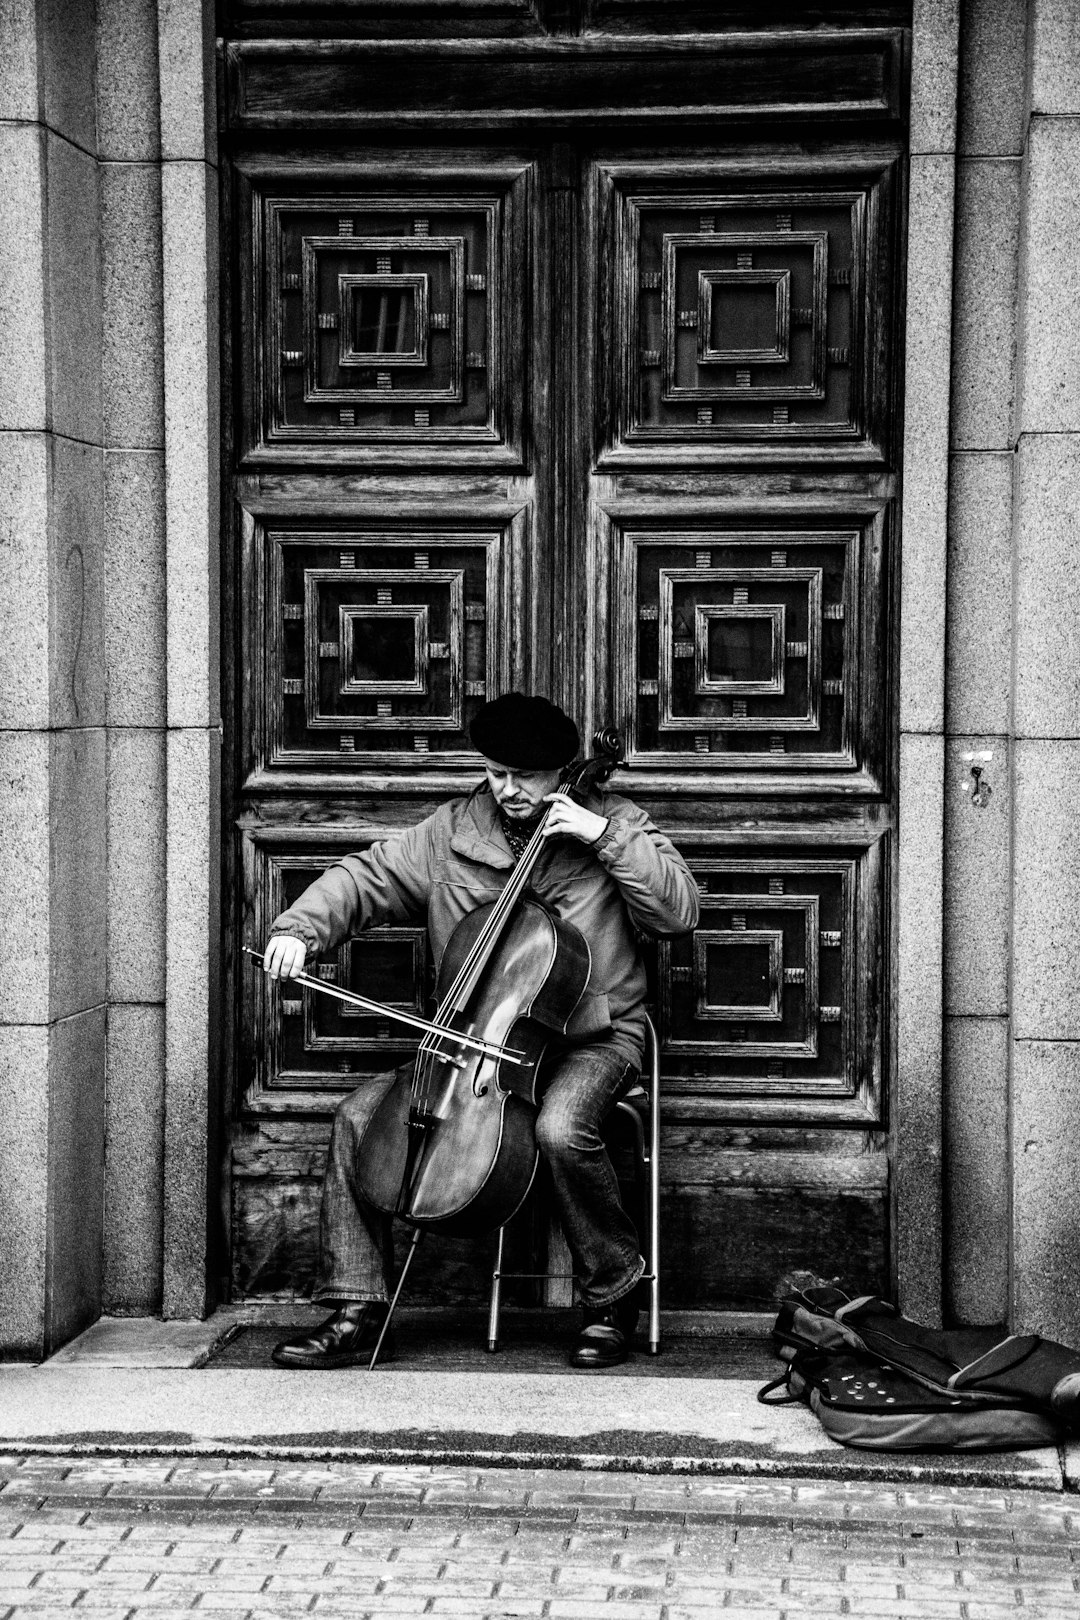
{"x":118,"y":1341}
{"x":142,"y":1388}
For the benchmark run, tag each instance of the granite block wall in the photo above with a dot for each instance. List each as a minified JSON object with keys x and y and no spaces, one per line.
{"x":82,"y":667}
{"x":135,"y":649}
{"x":192,"y":595}
{"x":1045,"y":1026}
{"x":916,"y":1112}
{"x":979,"y":651}
{"x":52,"y":741}
{"x":1012,"y":920}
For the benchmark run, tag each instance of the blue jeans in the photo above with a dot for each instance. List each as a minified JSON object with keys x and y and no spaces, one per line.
{"x":355,"y":1245}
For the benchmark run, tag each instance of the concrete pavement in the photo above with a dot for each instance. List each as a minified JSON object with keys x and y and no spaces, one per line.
{"x":135,"y":1388}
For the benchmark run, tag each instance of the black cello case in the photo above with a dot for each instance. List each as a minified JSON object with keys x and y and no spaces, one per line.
{"x":880,"y":1381}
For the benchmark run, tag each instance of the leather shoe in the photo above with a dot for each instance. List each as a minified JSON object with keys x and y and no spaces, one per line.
{"x":345,"y":1339}
{"x":606,"y":1334}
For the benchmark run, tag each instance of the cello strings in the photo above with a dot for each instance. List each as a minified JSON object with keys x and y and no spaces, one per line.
{"x":502,"y":906}
{"x":423,"y":1071}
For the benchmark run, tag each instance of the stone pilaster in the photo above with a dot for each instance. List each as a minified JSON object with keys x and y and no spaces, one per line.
{"x":52,"y":707}
{"x":978,"y":829}
{"x":1045,"y":1007}
{"x":917,"y":1113}
{"x":192,"y":575}
{"x":135,"y":649}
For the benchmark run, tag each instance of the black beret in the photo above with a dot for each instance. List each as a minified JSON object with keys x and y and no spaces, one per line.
{"x":526,"y":733}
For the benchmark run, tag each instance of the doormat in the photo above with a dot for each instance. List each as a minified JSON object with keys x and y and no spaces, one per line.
{"x":531,"y":1342}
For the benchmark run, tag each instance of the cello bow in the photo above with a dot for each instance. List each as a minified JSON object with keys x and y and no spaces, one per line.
{"x":488,"y":1048}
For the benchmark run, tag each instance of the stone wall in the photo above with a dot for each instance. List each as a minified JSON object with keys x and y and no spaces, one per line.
{"x":1045,"y":701}
{"x":916,"y":1117}
{"x":108,"y":661}
{"x":1012,"y":920}
{"x":132,"y":369}
{"x":109,"y":702}
{"x":52,"y":681}
{"x":979,"y":657}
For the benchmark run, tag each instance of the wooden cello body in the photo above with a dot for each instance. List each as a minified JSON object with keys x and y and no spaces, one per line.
{"x":479,"y":1154}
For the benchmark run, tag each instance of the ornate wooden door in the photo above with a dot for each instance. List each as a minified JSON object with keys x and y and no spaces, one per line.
{"x":741,"y":528}
{"x":608,"y":412}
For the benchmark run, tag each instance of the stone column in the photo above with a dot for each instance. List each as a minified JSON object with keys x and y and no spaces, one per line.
{"x":978,"y":830}
{"x":1045,"y":1031}
{"x":192,"y":574}
{"x":52,"y":694}
{"x":917,"y":1104}
{"x":135,"y":649}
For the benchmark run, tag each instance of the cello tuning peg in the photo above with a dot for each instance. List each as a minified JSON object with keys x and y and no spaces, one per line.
{"x":608,"y":741}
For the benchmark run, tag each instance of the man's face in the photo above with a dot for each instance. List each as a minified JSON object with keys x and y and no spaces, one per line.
{"x":519,"y":794}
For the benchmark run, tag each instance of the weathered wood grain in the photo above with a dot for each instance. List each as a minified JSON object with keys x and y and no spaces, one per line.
{"x":319,"y":85}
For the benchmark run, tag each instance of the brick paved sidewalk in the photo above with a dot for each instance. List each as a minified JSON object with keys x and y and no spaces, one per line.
{"x":127,"y":1537}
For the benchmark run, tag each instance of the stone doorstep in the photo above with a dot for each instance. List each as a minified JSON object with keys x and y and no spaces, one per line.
{"x":132,"y":1387}
{"x":147,"y":1341}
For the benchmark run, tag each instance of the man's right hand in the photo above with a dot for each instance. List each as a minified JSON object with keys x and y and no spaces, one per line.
{"x":285,"y":957}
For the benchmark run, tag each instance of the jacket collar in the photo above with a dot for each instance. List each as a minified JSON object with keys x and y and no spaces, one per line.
{"x":478,"y":835}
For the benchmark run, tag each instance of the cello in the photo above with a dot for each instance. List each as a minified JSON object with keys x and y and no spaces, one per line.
{"x":451,"y":1147}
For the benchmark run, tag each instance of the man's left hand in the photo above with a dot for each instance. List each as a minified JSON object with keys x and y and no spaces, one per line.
{"x":571,"y":818}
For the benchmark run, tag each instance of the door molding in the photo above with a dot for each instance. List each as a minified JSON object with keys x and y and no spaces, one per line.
{"x":810,"y":75}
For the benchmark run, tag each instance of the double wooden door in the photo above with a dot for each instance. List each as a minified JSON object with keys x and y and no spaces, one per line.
{"x":612,"y":419}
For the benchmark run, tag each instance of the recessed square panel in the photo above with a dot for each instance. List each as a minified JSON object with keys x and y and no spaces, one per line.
{"x":383,"y":650}
{"x":740,"y":650}
{"x":743,"y":282}
{"x":738,"y":974}
{"x":382,"y":291}
{"x":731,"y":971}
{"x":297,"y":1040}
{"x":744,"y":316}
{"x":383,"y":320}
{"x":743,"y":599}
{"x":388,"y":965}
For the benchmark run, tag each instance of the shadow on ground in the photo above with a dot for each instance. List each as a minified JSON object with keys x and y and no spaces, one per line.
{"x":532,"y":1342}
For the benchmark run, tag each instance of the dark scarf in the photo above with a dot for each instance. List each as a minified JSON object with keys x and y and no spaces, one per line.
{"x":518,"y":833}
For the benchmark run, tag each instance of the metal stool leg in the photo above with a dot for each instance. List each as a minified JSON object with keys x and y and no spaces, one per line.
{"x":496,"y":1293}
{"x":413,"y":1246}
{"x":654,"y":1211}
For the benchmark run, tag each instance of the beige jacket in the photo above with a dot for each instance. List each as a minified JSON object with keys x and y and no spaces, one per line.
{"x":458,"y":859}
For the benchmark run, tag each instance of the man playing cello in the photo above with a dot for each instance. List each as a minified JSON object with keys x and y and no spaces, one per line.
{"x":609,"y":871}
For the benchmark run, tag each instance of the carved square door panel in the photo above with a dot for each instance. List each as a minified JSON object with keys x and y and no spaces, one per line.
{"x":753,"y":649}
{"x":374,"y":646}
{"x":386,"y":318}
{"x":750,"y":313}
{"x":300,"y":1041}
{"x":771,"y":1008}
